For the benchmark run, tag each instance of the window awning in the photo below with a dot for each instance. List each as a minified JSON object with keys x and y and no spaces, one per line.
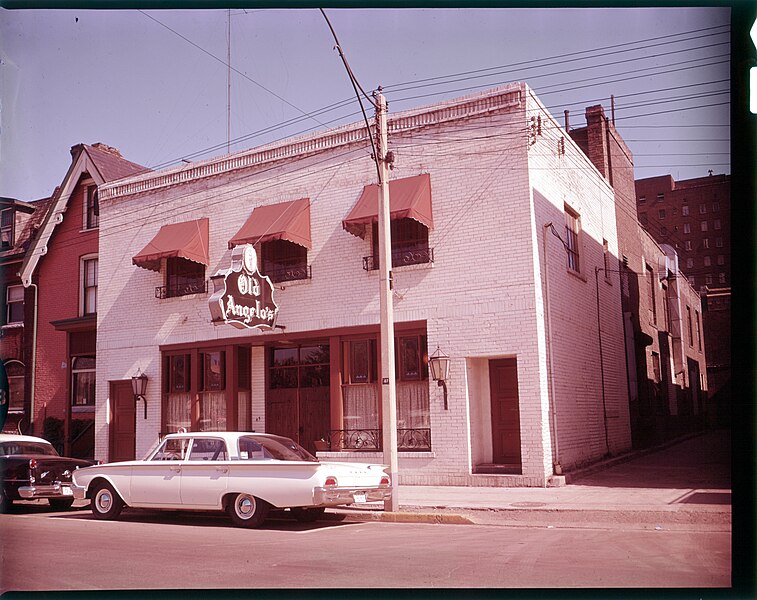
{"x":283,"y":221}
{"x":187,"y":240}
{"x":409,"y":197}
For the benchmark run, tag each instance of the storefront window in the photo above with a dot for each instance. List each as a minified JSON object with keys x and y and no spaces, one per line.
{"x":178,"y":399}
{"x":212,"y":395}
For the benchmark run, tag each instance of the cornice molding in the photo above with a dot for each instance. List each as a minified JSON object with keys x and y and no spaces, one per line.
{"x":497,"y":99}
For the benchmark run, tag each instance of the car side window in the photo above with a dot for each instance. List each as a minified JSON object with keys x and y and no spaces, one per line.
{"x":250,"y":449}
{"x":171,"y":449}
{"x":203,"y":449}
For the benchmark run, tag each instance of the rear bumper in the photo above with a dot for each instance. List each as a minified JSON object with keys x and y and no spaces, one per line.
{"x":337,"y":496}
{"x":55,"y":490}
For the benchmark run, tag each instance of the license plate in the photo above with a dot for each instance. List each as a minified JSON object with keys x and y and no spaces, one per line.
{"x":67,"y":491}
{"x":359,"y":498}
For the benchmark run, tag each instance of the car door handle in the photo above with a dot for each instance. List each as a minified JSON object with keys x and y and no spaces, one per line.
{"x":222,"y":469}
{"x":175,"y":469}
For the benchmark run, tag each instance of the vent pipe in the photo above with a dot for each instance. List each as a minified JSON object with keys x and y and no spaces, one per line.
{"x":567,"y":124}
{"x":612,"y":109}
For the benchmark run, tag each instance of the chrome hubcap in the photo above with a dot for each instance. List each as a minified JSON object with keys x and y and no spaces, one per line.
{"x":245,"y":507}
{"x":104,"y":501}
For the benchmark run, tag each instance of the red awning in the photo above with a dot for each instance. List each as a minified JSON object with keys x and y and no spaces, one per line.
{"x":187,"y":240}
{"x":409,"y":197}
{"x":284,"y":221}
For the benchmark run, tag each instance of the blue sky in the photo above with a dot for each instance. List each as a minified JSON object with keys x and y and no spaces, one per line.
{"x":154,"y":83}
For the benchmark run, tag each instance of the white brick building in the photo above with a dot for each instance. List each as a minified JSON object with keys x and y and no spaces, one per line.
{"x":544,"y":342}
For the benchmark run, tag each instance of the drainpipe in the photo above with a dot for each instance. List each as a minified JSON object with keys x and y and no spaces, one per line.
{"x":34,"y":360}
{"x":601,"y":359}
{"x":556,"y":461}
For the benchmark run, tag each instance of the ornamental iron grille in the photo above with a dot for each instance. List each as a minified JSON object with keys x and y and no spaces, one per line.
{"x":367,"y":440}
{"x":181,"y":289}
{"x":401,"y":258}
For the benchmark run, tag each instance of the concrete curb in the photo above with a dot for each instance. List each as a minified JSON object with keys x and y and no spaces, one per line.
{"x":438,"y":518}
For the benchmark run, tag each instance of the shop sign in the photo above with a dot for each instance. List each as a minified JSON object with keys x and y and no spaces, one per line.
{"x":242,"y":296}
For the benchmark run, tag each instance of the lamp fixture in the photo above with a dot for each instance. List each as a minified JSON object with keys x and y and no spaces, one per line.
{"x":139,"y":387}
{"x":438,"y":362}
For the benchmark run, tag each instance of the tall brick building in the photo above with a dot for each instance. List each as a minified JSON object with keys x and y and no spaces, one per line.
{"x":60,"y":270}
{"x":668,"y":380}
{"x":694,"y":216}
{"x":499,"y":221}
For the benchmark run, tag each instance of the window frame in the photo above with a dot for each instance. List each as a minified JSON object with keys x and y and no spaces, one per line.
{"x":283,"y":260}
{"x":9,"y":229}
{"x":573,"y":240}
{"x":91,"y":207}
{"x":85,"y":285}
{"x":11,"y":304}
{"x":75,"y":372}
{"x":182,"y":277}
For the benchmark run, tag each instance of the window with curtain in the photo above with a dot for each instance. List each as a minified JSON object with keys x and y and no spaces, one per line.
{"x":178,"y":399}
{"x":212,"y":391}
{"x":89,"y":281}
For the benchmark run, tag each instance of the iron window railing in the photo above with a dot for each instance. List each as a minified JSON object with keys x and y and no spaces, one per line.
{"x":415,"y":256}
{"x":367,"y":440}
{"x":289,"y":273}
{"x":181,"y":289}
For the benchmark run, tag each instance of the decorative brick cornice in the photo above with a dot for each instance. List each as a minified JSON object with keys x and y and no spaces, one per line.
{"x":500,"y":98}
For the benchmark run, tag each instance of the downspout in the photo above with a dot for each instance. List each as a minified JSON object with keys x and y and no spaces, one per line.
{"x":34,"y":360}
{"x":601,"y":359}
{"x":557,"y":467}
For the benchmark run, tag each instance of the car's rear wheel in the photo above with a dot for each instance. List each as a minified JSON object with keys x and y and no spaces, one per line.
{"x":106,"y":503}
{"x":246,"y":510}
{"x":60,"y":503}
{"x":308,"y":515}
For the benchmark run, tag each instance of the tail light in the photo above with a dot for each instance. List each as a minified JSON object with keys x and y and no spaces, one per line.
{"x":32,"y":468}
{"x":330,"y":482}
{"x":385,"y":481}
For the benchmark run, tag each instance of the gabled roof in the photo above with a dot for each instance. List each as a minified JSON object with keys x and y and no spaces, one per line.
{"x":24,"y":236}
{"x":104,"y":164}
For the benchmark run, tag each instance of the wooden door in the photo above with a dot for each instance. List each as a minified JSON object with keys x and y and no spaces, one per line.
{"x":281,"y":412}
{"x":123,"y":424}
{"x":314,"y":424}
{"x":503,"y":385}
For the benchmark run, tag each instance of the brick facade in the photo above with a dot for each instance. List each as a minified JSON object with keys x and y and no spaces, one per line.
{"x":501,"y":169}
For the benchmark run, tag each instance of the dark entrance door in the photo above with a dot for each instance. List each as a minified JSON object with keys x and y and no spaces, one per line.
{"x":503,"y":385}
{"x":123,"y":424}
{"x":298,"y":395}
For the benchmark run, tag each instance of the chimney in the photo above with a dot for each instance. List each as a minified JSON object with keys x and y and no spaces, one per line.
{"x":567,"y":123}
{"x":108,"y":149}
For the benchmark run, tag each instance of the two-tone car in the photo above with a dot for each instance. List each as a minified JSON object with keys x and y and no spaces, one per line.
{"x":30,"y":469}
{"x":244,"y":474}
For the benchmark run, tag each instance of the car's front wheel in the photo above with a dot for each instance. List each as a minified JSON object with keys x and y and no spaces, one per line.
{"x":60,"y":503}
{"x":308,"y":515}
{"x":246,"y":510}
{"x":106,"y":503}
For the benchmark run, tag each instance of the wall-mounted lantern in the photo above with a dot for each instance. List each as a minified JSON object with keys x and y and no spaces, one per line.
{"x":438,"y":362}
{"x":139,"y":387}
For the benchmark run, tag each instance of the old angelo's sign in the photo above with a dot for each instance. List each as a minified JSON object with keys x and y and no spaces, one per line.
{"x":242,"y":296}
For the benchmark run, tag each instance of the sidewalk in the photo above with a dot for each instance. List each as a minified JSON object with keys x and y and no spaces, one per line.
{"x":687,"y":482}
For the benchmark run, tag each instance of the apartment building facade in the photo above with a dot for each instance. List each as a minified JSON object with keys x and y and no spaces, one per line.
{"x":694,"y":217}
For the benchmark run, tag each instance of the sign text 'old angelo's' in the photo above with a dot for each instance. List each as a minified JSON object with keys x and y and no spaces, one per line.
{"x":242,"y":296}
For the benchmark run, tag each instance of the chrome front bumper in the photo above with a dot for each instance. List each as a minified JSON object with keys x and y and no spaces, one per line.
{"x":55,"y":490}
{"x":336,"y":496}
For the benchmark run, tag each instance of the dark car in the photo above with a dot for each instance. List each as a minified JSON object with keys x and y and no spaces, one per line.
{"x":30,"y":468}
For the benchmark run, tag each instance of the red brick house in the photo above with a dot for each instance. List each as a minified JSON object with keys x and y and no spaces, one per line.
{"x":20,"y":221}
{"x":61,"y":269}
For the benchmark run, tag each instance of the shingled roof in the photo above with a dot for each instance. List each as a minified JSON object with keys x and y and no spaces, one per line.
{"x":103,"y":164}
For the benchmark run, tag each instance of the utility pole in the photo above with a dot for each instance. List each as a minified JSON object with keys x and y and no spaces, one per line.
{"x":388,"y":384}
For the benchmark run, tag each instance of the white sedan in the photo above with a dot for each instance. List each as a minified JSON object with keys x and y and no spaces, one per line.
{"x":244,"y":474}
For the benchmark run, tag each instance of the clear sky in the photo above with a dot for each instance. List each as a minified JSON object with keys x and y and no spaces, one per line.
{"x":154,"y":83}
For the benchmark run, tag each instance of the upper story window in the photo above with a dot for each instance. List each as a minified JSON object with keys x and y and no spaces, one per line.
{"x":686,"y":228}
{"x":715,"y":206}
{"x":685,"y":210}
{"x":92,"y":207}
{"x":721,"y":259}
{"x":687,"y":245}
{"x":703,"y":225}
{"x":572,"y":235}
{"x":721,"y":277}
{"x":716,"y":224}
{"x":282,"y":260}
{"x":642,"y":199}
{"x":89,"y":285}
{"x":183,"y":277}
{"x":699,"y":330}
{"x":689,"y":263}
{"x":409,"y":243}
{"x":660,"y":197}
{"x":14,"y":304}
{"x":705,"y":242}
{"x":661,"y":213}
{"x":689,"y":326}
{"x":719,"y":242}
{"x":702,"y":209}
{"x":7,"y":222}
{"x":651,"y":294}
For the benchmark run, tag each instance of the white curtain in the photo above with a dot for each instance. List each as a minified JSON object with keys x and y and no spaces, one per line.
{"x":178,"y":412}
{"x":412,"y":405}
{"x":212,"y":411}
{"x":361,"y":407}
{"x":243,"y":411}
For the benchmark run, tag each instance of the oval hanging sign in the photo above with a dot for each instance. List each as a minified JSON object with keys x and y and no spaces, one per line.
{"x":242,"y":296}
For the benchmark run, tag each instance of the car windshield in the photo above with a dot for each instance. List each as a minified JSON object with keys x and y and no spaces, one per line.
{"x":11,"y":448}
{"x":280,"y":448}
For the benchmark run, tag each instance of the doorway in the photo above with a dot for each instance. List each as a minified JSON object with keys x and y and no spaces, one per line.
{"x":123,"y":422}
{"x":298,"y":394}
{"x":505,"y":413}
